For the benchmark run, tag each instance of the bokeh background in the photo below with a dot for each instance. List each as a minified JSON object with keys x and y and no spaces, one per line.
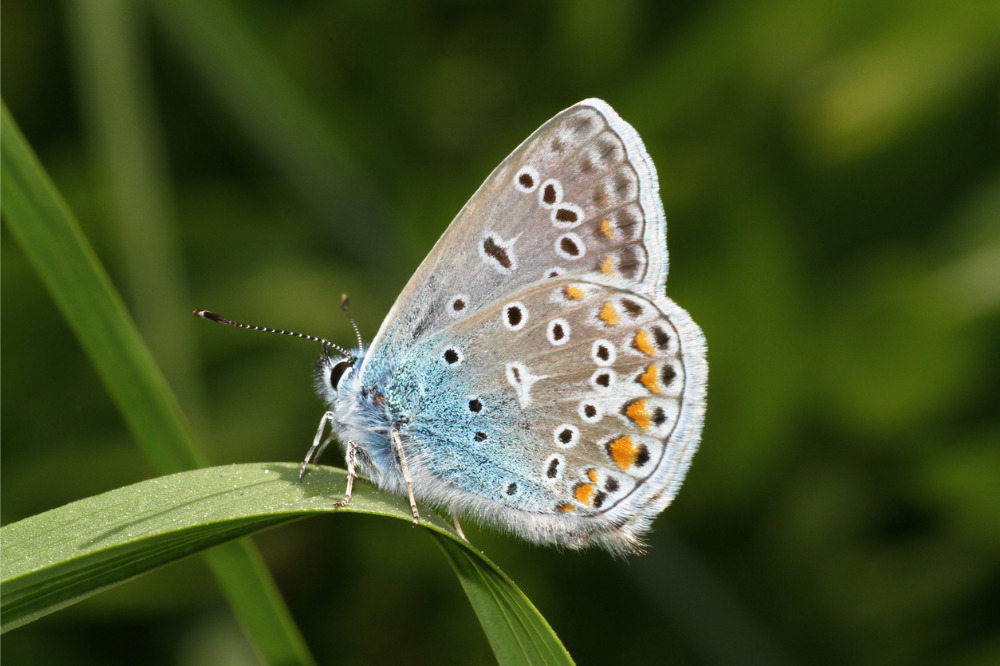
{"x":831,"y":174}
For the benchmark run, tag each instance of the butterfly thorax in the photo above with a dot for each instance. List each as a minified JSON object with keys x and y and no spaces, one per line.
{"x":361,"y":414}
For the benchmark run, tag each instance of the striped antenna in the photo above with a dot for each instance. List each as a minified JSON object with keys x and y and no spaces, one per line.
{"x":357,"y":333}
{"x":211,"y":316}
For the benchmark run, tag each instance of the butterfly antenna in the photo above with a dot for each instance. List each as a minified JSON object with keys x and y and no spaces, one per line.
{"x":357,"y":333}
{"x":327,"y":345}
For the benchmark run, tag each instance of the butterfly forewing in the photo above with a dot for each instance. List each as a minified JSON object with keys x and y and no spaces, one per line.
{"x":577,"y":198}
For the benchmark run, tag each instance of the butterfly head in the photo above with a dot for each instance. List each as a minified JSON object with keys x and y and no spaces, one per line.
{"x":335,"y":372}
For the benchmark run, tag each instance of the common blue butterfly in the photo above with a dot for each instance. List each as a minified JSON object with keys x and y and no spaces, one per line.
{"x":533,"y":374}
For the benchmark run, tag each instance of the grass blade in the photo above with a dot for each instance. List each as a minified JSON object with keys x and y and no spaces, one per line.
{"x":517,"y":631}
{"x":45,"y":228}
{"x":64,"y":555}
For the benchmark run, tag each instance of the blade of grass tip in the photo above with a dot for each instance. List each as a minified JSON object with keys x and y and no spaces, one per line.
{"x":117,"y":102}
{"x":516,"y":630}
{"x":45,"y":228}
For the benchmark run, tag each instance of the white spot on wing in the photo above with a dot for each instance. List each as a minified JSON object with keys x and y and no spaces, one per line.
{"x":522,"y":380}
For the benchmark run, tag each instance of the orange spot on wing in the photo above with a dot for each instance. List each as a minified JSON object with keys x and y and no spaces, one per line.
{"x":607,"y":229}
{"x":608,"y":314}
{"x":584,"y":493}
{"x":639,"y":413}
{"x":643,"y":343}
{"x":574,"y":293}
{"x":608,"y":265}
{"x":592,"y":475}
{"x":565,"y":508}
{"x":650,"y":380}
{"x":623,"y":451}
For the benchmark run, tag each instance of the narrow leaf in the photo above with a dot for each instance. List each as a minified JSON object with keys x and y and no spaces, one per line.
{"x":67,"y":554}
{"x":45,"y":228}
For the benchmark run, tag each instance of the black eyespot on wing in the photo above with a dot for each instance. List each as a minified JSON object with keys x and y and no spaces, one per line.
{"x":604,"y":380}
{"x":527,"y":182}
{"x":661,"y":337}
{"x":514,"y":315}
{"x":337,"y":371}
{"x":590,"y":411}
{"x":659,"y":416}
{"x":599,"y":499}
{"x":667,"y":375}
{"x":549,"y":194}
{"x":480,"y":437}
{"x":557,"y":332}
{"x":450,"y":356}
{"x":603,"y":353}
{"x":475,"y":405}
{"x":611,"y":485}
{"x":631,"y":307}
{"x":566,"y":215}
{"x":511,"y":489}
{"x":569,"y":246}
{"x":553,"y":469}
{"x":566,"y":436}
{"x":497,"y":253}
{"x":458,"y":305}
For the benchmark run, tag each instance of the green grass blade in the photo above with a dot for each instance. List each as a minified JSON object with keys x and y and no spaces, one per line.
{"x":45,"y":228}
{"x":517,"y":631}
{"x":64,"y":555}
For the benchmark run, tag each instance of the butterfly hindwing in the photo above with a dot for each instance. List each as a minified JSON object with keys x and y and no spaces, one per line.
{"x":566,"y":410}
{"x":579,"y":198}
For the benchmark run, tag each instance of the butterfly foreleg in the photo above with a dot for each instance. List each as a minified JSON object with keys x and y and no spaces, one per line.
{"x":319,"y":444}
{"x":397,"y":442}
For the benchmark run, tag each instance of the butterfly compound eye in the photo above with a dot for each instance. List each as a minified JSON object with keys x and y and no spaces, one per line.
{"x":337,"y":371}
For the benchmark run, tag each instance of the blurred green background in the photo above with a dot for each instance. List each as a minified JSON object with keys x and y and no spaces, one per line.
{"x":831,"y":173}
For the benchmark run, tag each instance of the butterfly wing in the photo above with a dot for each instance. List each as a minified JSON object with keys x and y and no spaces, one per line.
{"x":567,"y":411}
{"x":578,"y":198}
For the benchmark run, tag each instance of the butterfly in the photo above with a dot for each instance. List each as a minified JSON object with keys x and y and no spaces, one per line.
{"x":533,"y":374}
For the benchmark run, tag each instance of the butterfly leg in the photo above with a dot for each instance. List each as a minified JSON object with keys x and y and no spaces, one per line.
{"x":319,"y":444}
{"x":351,"y":453}
{"x":394,"y":436}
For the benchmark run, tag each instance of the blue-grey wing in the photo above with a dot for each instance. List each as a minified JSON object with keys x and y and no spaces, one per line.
{"x":566,"y":411}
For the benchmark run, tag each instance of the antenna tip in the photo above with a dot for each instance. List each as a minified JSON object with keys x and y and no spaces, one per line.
{"x":343,"y":302}
{"x":205,"y":314}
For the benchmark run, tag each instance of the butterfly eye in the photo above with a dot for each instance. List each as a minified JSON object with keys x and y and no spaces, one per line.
{"x":337,"y":371}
